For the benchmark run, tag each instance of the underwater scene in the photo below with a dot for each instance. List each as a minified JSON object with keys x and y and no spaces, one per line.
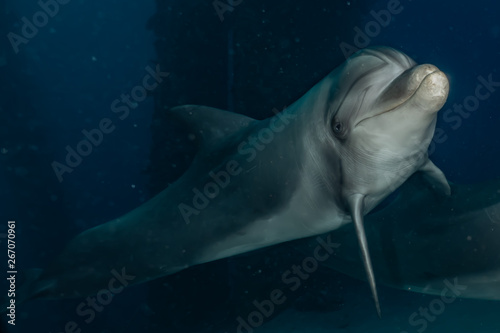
{"x":241,"y":166}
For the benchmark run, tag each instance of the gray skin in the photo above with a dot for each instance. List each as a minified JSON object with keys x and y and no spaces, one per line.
{"x":423,"y":243}
{"x":324,"y":162}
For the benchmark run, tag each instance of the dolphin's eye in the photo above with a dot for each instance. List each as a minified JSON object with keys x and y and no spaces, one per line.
{"x":338,"y":127}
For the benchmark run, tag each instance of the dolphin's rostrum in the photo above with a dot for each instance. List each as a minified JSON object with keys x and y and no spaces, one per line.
{"x":328,"y":160}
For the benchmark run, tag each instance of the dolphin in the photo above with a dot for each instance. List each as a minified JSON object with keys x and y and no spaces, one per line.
{"x":427,"y":244}
{"x":324,"y":162}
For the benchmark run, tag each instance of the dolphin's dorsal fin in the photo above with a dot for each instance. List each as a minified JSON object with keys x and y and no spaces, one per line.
{"x":209,"y":126}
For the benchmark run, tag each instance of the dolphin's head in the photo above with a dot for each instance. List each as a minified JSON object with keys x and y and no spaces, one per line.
{"x":382,"y":119}
{"x":381,"y":111}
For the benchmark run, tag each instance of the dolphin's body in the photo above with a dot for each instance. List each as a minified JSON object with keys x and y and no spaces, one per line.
{"x":325,"y":161}
{"x":425,"y":244}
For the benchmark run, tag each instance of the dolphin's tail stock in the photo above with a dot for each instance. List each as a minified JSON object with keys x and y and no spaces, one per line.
{"x":30,"y":289}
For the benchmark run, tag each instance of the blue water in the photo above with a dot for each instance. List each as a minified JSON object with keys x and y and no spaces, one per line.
{"x":65,"y":78}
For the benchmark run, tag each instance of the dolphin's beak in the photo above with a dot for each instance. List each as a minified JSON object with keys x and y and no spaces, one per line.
{"x":431,"y":94}
{"x":422,"y":87}
{"x":423,"y":83}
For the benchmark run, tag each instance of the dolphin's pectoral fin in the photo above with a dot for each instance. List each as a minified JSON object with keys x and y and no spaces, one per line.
{"x":356,"y":207}
{"x":436,"y":178}
{"x":210,"y":125}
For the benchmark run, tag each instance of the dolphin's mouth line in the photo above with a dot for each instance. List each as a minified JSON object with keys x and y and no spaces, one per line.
{"x":398,"y":105}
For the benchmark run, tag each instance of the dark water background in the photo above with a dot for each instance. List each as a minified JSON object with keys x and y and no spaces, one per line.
{"x":66,"y":77}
